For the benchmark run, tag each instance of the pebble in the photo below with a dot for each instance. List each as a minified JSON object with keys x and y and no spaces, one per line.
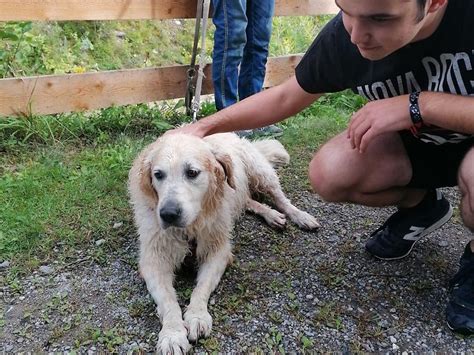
{"x":117,"y":225}
{"x":5,"y":264}
{"x":443,"y":243}
{"x":100,"y":242}
{"x":46,"y":270}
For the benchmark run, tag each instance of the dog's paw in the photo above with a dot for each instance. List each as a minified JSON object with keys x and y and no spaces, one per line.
{"x":304,"y":220}
{"x":199,"y":324}
{"x":275,"y":219}
{"x":173,"y":340}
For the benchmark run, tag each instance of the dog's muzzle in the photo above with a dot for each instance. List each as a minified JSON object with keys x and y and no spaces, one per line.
{"x":170,"y":214}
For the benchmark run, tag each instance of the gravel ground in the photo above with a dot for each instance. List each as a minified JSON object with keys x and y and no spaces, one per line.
{"x":287,"y":291}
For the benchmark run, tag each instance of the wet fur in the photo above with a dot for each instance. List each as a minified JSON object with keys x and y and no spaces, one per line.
{"x":230,"y":170}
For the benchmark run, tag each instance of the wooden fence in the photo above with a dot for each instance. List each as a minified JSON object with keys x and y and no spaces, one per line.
{"x":48,"y":94}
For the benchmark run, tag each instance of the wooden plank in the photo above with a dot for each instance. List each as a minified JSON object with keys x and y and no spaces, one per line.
{"x":280,"y":69}
{"x":305,"y":7}
{"x":75,"y":10}
{"x":81,"y":92}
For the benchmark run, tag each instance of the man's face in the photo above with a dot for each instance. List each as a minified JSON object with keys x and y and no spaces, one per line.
{"x":380,"y":27}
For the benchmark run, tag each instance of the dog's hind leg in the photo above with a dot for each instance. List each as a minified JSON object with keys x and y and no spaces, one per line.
{"x":301,"y":218}
{"x":272,"y":217}
{"x":265,"y":180}
{"x":197,"y":318}
{"x":159,"y":274}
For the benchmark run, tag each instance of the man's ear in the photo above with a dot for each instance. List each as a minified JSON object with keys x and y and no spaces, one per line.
{"x":435,"y":5}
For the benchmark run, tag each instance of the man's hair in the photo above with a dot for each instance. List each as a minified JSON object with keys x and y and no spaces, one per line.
{"x":421,"y":10}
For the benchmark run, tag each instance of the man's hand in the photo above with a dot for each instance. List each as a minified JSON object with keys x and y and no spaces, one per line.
{"x":194,"y":129}
{"x":377,"y":117}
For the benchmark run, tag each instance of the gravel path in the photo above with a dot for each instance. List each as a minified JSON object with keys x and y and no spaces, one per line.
{"x":287,"y":291}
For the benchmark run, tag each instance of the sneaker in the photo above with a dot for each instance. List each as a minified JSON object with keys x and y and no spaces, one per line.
{"x":268,"y":131}
{"x":397,"y":236}
{"x":460,"y":309}
{"x":245,"y":133}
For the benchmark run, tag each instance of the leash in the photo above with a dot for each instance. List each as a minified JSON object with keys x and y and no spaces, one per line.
{"x":191,"y":72}
{"x":194,"y":83}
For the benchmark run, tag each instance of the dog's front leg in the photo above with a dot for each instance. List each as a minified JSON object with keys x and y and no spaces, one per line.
{"x":197,"y":318}
{"x":158,"y":274}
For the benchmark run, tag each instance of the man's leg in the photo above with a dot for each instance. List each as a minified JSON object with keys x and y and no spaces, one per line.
{"x":460,"y":309}
{"x":466,"y":186}
{"x":378,"y":178}
{"x":230,"y":20}
{"x":375,"y":178}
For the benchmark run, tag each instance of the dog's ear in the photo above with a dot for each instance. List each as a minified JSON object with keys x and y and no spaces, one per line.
{"x":145,"y":182}
{"x":225,"y":162}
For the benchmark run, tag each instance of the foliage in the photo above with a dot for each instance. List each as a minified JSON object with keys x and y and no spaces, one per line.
{"x":78,"y":46}
{"x":28,"y":48}
{"x":95,"y":127}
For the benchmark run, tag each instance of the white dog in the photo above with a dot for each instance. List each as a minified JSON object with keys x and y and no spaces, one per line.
{"x":186,"y":189}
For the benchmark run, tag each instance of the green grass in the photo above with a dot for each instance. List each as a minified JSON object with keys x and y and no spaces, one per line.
{"x":59,"y":198}
{"x":63,"y":177}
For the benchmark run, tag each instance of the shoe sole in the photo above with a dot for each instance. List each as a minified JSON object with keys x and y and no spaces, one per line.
{"x":464,"y":332}
{"x":264,"y":136}
{"x":427,"y":231}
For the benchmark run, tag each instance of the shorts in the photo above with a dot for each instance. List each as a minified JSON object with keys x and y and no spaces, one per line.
{"x":434,"y":165}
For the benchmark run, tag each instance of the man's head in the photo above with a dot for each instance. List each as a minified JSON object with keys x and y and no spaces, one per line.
{"x":380,"y":27}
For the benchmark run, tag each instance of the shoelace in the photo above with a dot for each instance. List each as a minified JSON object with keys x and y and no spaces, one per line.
{"x":393,"y":219}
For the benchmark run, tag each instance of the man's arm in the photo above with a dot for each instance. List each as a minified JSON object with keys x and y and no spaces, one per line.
{"x":259,"y":110}
{"x":453,"y":112}
{"x":449,"y":111}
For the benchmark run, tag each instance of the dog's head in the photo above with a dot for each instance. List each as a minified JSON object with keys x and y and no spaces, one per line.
{"x":183,"y":178}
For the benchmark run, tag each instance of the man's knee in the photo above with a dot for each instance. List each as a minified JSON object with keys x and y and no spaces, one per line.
{"x":324,"y":176}
{"x":466,"y":186}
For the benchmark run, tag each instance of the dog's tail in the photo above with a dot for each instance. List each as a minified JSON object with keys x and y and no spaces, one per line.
{"x":273,"y":151}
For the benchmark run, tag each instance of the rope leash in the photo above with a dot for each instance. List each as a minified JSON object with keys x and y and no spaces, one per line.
{"x":193,"y":83}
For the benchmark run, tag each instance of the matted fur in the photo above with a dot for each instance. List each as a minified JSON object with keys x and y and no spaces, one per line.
{"x":185,"y":189}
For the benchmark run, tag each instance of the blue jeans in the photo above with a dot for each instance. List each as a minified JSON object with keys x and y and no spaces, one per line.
{"x":243,"y":29}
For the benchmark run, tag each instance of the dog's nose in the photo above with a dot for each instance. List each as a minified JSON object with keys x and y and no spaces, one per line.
{"x":170,"y":212}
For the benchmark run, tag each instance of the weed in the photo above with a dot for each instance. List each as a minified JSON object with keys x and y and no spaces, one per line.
{"x":210,"y":344}
{"x":329,"y":316}
{"x":110,"y":338}
{"x":306,"y":343}
{"x":274,"y":341}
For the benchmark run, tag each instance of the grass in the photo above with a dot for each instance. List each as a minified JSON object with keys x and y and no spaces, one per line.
{"x":63,"y":177}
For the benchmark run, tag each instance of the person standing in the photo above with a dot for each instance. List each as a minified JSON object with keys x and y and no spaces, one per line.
{"x":241,"y":42}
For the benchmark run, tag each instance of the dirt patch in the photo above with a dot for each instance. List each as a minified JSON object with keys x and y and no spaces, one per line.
{"x":289,"y":290}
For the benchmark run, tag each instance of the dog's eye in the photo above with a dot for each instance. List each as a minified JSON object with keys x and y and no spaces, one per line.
{"x":159,"y":174}
{"x":192,"y":173}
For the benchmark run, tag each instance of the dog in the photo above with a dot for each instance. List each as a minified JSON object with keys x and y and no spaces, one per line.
{"x":184,"y":190}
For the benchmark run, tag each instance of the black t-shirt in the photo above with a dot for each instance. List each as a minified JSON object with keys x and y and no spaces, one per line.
{"x":442,"y":62}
